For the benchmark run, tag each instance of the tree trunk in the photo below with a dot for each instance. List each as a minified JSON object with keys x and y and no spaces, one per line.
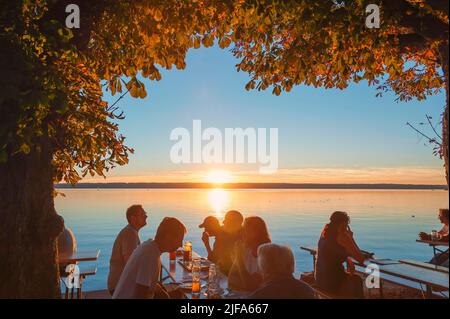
{"x":444,"y":63}
{"x":29,"y":226}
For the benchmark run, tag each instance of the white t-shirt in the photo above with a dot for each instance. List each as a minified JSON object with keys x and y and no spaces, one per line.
{"x":251,"y":262}
{"x":142,"y":268}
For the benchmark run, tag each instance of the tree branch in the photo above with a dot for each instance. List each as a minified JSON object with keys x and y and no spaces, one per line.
{"x":430,"y":140}
{"x":434,"y":130}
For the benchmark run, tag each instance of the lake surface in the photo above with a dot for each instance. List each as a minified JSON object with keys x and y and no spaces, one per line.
{"x":385,"y":222}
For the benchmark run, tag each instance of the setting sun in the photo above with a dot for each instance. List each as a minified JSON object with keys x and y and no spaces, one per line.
{"x":219,"y":177}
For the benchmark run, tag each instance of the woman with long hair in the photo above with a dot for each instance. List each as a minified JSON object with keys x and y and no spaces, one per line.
{"x":244,"y":273}
{"x":336,"y":246}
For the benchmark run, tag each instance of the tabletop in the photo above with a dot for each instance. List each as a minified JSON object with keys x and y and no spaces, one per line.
{"x":81,"y":255}
{"x":433,"y":242}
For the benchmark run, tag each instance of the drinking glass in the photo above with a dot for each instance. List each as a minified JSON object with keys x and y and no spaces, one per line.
{"x":196,"y":285}
{"x":187,"y":251}
{"x":434,"y":235}
{"x":213,"y":285}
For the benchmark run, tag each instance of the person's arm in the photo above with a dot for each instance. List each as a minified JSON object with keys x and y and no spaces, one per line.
{"x":147,"y":276}
{"x":350,"y":266}
{"x":129,"y":244}
{"x":205,"y":239}
{"x":347,"y":241}
{"x":424,"y":236}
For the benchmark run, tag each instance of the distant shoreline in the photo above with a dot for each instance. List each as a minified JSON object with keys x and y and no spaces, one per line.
{"x":252,"y":186}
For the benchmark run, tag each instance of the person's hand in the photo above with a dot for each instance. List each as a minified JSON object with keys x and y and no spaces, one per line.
{"x":205,"y":238}
{"x":350,"y":266}
{"x":424,"y":236}
{"x":161,"y":292}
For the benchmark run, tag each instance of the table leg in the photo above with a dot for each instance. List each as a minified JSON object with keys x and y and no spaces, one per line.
{"x":79,"y":296}
{"x":434,"y":251}
{"x":381,"y":289}
{"x":429,"y":292}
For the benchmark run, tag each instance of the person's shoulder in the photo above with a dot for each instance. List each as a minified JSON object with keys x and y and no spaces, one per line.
{"x":128,"y":231}
{"x":150,"y":247}
{"x":304,"y":289}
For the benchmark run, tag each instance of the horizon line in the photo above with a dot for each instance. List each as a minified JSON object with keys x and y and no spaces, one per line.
{"x":203,"y":185}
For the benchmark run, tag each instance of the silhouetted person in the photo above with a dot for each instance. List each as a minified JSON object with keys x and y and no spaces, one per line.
{"x":336,"y":246}
{"x":277,"y":266}
{"x":245,"y":274}
{"x":140,"y":278}
{"x":124,"y":245}
{"x":225,"y":238}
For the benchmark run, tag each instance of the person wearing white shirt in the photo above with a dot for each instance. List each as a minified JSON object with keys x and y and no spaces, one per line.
{"x":139,"y":279}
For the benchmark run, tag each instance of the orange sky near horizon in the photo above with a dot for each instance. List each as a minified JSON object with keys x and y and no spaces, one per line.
{"x":365,"y":175}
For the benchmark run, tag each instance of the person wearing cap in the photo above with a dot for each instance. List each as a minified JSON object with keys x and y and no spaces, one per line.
{"x":225,"y":238}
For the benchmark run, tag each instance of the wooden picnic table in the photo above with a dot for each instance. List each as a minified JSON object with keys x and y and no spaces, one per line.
{"x":408,"y":270}
{"x":74,"y":258}
{"x":173,"y":271}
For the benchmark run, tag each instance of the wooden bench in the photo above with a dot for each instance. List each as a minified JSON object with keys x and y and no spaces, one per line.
{"x":424,"y":265}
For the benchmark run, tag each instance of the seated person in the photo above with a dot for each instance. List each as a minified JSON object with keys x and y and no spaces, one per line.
{"x":126,"y":242}
{"x":336,"y":246}
{"x":441,"y":259}
{"x":277,"y":265}
{"x":245,"y":274}
{"x":140,"y":278}
{"x":443,"y":233}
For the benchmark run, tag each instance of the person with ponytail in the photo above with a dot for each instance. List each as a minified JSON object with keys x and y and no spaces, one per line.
{"x":337,"y":246}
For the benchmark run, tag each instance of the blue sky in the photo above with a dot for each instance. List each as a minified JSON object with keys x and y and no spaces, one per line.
{"x":324,"y":135}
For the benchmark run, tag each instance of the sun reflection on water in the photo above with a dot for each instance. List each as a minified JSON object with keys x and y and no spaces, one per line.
{"x":218,"y":200}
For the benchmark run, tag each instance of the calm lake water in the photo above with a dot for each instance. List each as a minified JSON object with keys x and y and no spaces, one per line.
{"x":385,"y":222}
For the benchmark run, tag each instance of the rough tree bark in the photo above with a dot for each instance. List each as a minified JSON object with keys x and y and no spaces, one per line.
{"x":444,"y":63}
{"x":29,"y":226}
